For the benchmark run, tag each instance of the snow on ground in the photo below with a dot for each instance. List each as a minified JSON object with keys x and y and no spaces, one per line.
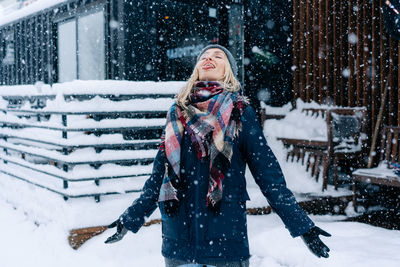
{"x":352,"y":244}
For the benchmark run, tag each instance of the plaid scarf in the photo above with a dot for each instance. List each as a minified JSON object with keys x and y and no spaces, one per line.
{"x":212,"y":121}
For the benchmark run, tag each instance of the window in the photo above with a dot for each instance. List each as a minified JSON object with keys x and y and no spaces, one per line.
{"x":91,"y":47}
{"x":81,"y":48}
{"x":7,"y":50}
{"x":66,"y":41}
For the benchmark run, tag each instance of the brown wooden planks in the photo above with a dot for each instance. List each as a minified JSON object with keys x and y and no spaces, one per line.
{"x":321,"y":51}
{"x":296,"y":20}
{"x":309,"y":36}
{"x":352,"y":56}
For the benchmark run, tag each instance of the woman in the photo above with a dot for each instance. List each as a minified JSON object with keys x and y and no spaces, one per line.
{"x":198,"y":176}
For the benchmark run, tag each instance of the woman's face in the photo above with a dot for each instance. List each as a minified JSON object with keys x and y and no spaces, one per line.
{"x":211,"y":65}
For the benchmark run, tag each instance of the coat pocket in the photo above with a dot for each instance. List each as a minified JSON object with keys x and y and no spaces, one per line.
{"x":175,"y":227}
{"x":230,"y":223}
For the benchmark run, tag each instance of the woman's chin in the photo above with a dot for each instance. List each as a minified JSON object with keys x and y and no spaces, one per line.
{"x":209,"y":79}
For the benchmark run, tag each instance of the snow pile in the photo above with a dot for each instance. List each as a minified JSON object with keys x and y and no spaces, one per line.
{"x":38,"y":89}
{"x":118,"y":87}
{"x":45,"y":245}
{"x":381,"y":171}
{"x":276,"y":110}
{"x":106,"y":87}
{"x":98,"y":104}
{"x":299,"y":125}
{"x":36,"y":6}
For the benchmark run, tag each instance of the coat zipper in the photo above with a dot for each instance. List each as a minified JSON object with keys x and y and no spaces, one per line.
{"x":196,"y":208}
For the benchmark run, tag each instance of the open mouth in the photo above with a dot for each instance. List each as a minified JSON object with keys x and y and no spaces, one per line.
{"x":208,"y":66}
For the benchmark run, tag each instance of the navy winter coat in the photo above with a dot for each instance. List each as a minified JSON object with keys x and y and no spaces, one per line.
{"x":196,"y":233}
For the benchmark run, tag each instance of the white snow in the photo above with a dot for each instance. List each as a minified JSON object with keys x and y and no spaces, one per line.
{"x":276,"y":110}
{"x":83,"y":123}
{"x":36,"y":6}
{"x":45,"y":135}
{"x":35,"y":222}
{"x":81,"y":87}
{"x":352,"y":244}
{"x":381,"y":171}
{"x":98,"y":104}
{"x":297,"y":124}
{"x":82,"y":155}
{"x":118,"y":87}
{"x":81,"y":172}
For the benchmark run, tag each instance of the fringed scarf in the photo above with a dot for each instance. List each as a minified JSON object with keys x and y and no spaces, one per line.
{"x":212,"y":121}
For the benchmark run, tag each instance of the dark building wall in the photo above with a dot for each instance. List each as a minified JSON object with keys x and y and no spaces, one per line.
{"x":162,"y":44}
{"x":31,"y":40}
{"x":139,"y":40}
{"x":268,"y":51}
{"x":34,"y":42}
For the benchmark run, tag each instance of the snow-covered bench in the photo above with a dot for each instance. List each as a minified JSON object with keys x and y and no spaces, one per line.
{"x":82,"y":144}
{"x":383,"y":175}
{"x":342,"y":137}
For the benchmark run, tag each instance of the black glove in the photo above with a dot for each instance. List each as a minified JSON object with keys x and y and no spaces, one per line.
{"x":121,"y":232}
{"x":314,"y":244}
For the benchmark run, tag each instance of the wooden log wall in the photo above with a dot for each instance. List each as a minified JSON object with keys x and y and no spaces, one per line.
{"x":343,"y":56}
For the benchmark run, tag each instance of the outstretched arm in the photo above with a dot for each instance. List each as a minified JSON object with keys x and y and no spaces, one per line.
{"x":269,"y":177}
{"x":133,"y":218}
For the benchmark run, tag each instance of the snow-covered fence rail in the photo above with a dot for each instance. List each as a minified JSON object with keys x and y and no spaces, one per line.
{"x":84,"y":143}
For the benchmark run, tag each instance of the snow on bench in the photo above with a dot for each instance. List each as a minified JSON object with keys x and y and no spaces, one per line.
{"x":384,"y":174}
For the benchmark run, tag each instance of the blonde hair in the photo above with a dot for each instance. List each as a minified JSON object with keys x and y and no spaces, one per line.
{"x":229,"y":83}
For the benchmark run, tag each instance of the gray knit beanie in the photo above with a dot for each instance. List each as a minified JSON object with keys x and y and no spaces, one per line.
{"x":228,"y":54}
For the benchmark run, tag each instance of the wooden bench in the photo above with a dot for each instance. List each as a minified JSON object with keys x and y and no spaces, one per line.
{"x":266,"y":113}
{"x":383,"y":175}
{"x":345,"y":139}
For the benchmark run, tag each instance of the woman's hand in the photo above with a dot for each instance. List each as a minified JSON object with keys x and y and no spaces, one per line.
{"x":314,"y":243}
{"x":121,"y":232}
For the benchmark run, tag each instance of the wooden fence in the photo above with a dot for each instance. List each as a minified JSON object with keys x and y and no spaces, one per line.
{"x":343,"y":56}
{"x":83,"y":138}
